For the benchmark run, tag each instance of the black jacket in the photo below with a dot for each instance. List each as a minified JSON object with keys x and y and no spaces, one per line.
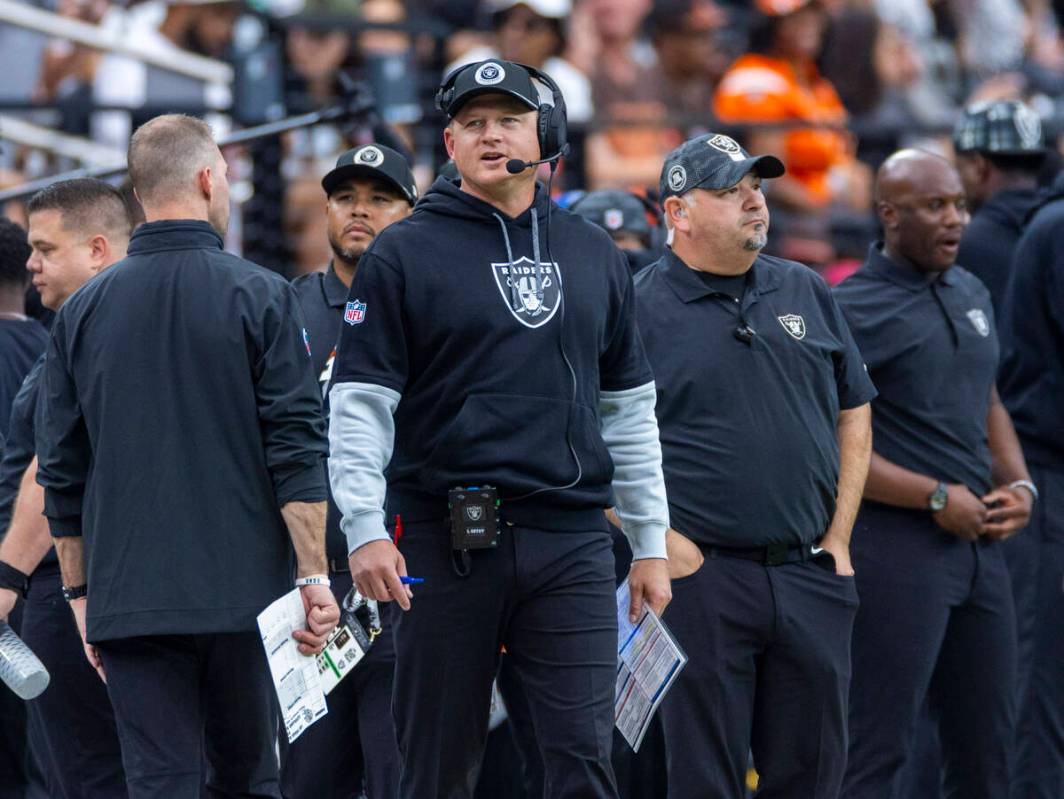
{"x":990,"y":240}
{"x":1031,"y":377}
{"x":178,"y":413}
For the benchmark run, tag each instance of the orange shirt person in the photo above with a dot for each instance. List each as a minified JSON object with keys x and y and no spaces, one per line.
{"x":779,"y":83}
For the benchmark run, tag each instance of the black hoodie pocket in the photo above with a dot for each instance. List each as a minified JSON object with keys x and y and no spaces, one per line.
{"x":520,"y":444}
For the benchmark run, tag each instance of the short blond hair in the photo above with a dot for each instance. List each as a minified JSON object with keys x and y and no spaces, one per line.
{"x":166,"y":153}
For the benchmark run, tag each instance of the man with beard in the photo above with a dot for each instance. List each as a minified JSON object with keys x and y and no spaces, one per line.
{"x":181,"y":442}
{"x":370,"y":188}
{"x":947,"y":484}
{"x":762,"y":402}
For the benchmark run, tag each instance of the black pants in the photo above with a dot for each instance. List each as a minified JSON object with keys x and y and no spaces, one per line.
{"x":182,"y":701}
{"x":549,"y":598}
{"x":79,"y":751}
{"x":1035,"y":559}
{"x":356,"y":740}
{"x":936,"y":624}
{"x":768,"y":669}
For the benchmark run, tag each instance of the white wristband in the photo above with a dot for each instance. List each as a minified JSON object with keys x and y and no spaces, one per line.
{"x":1025,"y":484}
{"x":313,"y":579}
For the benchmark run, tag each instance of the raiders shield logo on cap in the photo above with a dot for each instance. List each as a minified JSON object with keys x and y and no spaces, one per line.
{"x":726,"y":145}
{"x":489,"y":74}
{"x":613,"y":218}
{"x":369,"y":156}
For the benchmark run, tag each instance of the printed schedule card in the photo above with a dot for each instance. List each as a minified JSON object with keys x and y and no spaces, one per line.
{"x":648,"y":662}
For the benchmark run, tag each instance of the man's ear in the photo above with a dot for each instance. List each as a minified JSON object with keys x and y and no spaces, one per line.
{"x":100,"y":251}
{"x":448,"y":140}
{"x":205,"y":184}
{"x":676,"y":214}
{"x":888,"y":215}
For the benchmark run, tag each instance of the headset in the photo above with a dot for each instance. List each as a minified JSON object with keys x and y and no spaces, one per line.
{"x":551,"y":124}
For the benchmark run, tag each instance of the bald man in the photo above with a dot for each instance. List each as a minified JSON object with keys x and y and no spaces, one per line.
{"x":181,"y":446}
{"x":947,"y":484}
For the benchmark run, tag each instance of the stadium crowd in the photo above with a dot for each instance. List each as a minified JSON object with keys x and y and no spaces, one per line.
{"x":920,"y":146}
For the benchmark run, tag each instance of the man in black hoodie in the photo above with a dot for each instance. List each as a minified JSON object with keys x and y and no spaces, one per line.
{"x":1031,"y":380}
{"x":999,"y":152}
{"x":490,"y":340}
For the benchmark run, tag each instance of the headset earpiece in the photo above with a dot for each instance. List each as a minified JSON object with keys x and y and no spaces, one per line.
{"x":552,"y":127}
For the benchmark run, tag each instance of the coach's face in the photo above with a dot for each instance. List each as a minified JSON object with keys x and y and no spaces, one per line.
{"x":726,"y":221}
{"x":62,"y":259}
{"x":927,"y":216}
{"x":357,"y":211}
{"x":487,"y":132}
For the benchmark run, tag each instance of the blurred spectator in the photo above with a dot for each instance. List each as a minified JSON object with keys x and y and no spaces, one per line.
{"x":631,"y":137}
{"x":778,"y":82}
{"x":315,"y":56}
{"x":991,"y":34}
{"x":608,"y":46}
{"x":691,"y":61}
{"x":872,"y":66}
{"x":533,"y":32}
{"x":121,"y":80}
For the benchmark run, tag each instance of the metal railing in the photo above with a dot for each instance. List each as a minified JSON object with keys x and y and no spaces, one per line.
{"x":100,"y":38}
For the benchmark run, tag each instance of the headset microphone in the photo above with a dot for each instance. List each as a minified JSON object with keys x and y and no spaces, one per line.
{"x":515,"y":166}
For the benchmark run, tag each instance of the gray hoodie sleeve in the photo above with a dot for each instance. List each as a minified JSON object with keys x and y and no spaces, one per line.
{"x":361,"y":437}
{"x":630,"y":431}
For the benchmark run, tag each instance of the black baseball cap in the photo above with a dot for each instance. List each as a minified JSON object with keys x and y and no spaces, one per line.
{"x":493,"y":76}
{"x":373,"y":161}
{"x":615,"y":211}
{"x":1001,"y":127}
{"x":713,"y":161}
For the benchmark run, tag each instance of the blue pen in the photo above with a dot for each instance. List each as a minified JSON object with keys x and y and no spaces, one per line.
{"x":411,"y":580}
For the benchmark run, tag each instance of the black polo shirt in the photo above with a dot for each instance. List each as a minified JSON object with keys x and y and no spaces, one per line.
{"x":322,"y":295}
{"x":748,"y":430}
{"x":931,"y":347}
{"x":21,"y":342}
{"x":20,"y":450}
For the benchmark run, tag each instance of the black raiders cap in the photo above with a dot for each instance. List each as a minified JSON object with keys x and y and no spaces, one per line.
{"x":373,"y":161}
{"x":486,"y":77}
{"x":1003,"y":127}
{"x":712,"y":161}
{"x":615,"y":211}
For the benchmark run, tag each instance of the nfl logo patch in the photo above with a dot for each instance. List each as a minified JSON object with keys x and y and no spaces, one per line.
{"x":355,"y":312}
{"x":306,"y":341}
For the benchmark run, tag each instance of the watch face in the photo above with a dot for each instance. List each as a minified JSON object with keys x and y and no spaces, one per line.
{"x":938,"y":499}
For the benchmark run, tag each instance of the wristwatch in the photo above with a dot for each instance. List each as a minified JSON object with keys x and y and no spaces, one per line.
{"x":938,"y":499}
{"x":77,"y":592}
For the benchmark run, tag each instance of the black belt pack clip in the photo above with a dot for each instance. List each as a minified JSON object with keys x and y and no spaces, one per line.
{"x":777,"y":553}
{"x":474,"y":515}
